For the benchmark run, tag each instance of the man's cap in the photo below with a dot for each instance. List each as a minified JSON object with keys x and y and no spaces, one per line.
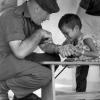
{"x":50,"y":6}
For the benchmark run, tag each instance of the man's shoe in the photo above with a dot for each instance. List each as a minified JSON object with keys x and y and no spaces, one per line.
{"x":29,"y":97}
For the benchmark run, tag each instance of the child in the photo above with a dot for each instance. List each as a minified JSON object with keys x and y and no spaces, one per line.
{"x":83,"y":45}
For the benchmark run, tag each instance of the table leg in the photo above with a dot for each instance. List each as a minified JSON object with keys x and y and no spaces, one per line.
{"x":48,"y":92}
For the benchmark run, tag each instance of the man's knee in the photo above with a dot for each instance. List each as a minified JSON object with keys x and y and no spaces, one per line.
{"x":46,"y":80}
{"x":37,"y":78}
{"x":44,"y":76}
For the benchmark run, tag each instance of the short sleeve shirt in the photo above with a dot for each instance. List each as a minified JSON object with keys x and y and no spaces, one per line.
{"x":81,"y":46}
{"x":15,"y":24}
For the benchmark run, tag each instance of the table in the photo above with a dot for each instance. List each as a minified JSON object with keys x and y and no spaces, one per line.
{"x":48,"y":92}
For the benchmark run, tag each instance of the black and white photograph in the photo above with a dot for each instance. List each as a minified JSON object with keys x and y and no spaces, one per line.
{"x":49,"y":49}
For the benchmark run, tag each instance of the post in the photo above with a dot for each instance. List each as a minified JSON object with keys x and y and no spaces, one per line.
{"x":48,"y":92}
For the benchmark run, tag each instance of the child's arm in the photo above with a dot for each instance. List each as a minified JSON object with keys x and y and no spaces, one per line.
{"x":93,"y":50}
{"x":67,"y":49}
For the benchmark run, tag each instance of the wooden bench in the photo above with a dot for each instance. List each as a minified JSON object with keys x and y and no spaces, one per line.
{"x":49,"y":93}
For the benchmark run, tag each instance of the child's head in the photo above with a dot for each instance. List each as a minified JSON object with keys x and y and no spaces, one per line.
{"x":70,"y":25}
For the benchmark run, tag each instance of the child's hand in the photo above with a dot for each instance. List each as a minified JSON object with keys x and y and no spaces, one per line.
{"x":66,"y":50}
{"x":78,"y":52}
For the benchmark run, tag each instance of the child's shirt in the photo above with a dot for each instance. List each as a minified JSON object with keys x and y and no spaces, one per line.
{"x":82,"y":46}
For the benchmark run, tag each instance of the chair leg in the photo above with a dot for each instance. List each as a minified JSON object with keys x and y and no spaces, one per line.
{"x":48,"y":92}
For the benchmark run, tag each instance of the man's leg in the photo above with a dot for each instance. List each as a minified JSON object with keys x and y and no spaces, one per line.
{"x":42,"y":57}
{"x":81,"y":78}
{"x":26,"y":72}
{"x":3,"y":90}
{"x":29,"y":81}
{"x":38,"y":58}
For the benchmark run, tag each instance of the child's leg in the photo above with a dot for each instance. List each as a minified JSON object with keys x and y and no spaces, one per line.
{"x":81,"y":78}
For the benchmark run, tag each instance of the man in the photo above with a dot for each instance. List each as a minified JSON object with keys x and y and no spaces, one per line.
{"x":89,"y":12}
{"x":20,"y":34}
{"x":5,"y":4}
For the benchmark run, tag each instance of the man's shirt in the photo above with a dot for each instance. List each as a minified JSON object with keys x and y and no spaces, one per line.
{"x":15,"y":24}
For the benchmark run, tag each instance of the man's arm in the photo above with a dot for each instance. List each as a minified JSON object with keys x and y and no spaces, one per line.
{"x":50,"y":48}
{"x":21,"y":49}
{"x":48,"y":45}
{"x":64,"y":50}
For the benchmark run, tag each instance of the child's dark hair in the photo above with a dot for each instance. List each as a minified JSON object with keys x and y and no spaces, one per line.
{"x":71,"y":20}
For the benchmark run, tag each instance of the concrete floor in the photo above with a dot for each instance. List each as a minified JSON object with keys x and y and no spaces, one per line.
{"x":67,"y":93}
{"x":78,"y":96}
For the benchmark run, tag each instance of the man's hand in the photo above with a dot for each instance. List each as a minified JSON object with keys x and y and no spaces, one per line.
{"x":66,"y":50}
{"x":21,"y":49}
{"x":47,"y":44}
{"x":45,"y":34}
